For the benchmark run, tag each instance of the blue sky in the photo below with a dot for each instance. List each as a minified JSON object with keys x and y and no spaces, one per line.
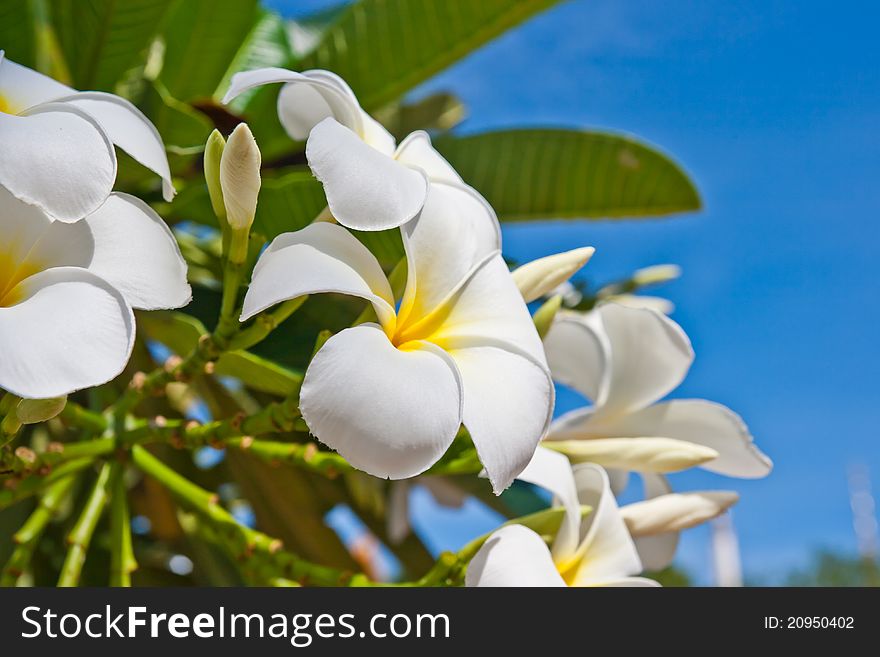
{"x":774,"y":108}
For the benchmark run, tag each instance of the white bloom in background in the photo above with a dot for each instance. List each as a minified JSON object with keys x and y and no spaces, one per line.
{"x":541,"y":277}
{"x":462,"y":348}
{"x":67,"y":291}
{"x":69,"y":137}
{"x":594,"y":551}
{"x":370,"y":182}
{"x":656,"y":522}
{"x":625,"y":360}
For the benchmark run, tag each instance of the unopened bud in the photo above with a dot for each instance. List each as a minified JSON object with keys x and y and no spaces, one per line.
{"x":655,"y":275}
{"x":240,"y":177}
{"x":538,"y":278}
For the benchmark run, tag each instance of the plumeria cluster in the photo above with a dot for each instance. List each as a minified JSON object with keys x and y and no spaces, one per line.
{"x":448,"y":353}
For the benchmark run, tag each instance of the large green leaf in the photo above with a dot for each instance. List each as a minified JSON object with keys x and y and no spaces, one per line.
{"x":17,"y":32}
{"x":383,"y":48}
{"x":201,"y":38}
{"x":258,"y":373}
{"x":567,"y":174}
{"x":101,"y":39}
{"x":288,"y":203}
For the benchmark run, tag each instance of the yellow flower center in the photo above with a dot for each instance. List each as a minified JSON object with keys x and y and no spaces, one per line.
{"x":13,"y":272}
{"x":6,"y":105}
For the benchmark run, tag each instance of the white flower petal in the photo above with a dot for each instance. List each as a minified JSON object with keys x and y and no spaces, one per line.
{"x":128,"y":128}
{"x":445,"y":492}
{"x":650,"y":355}
{"x":57,"y":158}
{"x":135,"y":251}
{"x":416,"y":151}
{"x":579,"y":355}
{"x":322,"y":257}
{"x":607,"y":550}
{"x":632,"y":582}
{"x":69,"y":330}
{"x":619,"y":479}
{"x":508,"y":404}
{"x":658,"y":304}
{"x":488,"y":308}
{"x":552,"y":472}
{"x":702,"y":423}
{"x":21,"y":87}
{"x":513,"y":556}
{"x":305,"y":100}
{"x":540,"y":277}
{"x":374,"y":134}
{"x":365,"y":189}
{"x":674,"y":512}
{"x":455,"y":231}
{"x":389,"y":412}
{"x":21,"y":226}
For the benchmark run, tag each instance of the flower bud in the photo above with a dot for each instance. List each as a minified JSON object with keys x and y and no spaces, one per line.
{"x":213,"y":153}
{"x":639,"y":454}
{"x":538,"y":278}
{"x":675,"y":511}
{"x":655,"y":274}
{"x":240,"y":177}
{"x":32,"y":411}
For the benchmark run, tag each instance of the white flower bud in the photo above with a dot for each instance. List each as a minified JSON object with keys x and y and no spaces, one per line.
{"x":675,"y":511}
{"x":639,"y":454}
{"x":656,"y":274}
{"x":538,"y":278}
{"x":240,"y":177}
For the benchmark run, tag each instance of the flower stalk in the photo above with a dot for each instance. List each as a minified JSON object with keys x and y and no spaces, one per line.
{"x":80,"y":536}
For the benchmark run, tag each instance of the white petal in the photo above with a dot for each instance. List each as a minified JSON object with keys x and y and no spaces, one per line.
{"x":305,"y":100}
{"x":658,"y":304}
{"x":632,"y":582}
{"x":656,"y":552}
{"x":650,"y":355}
{"x":513,"y":556}
{"x":607,"y":551}
{"x":455,"y":231}
{"x":128,"y":128}
{"x":21,"y":87}
{"x":540,"y":277}
{"x":365,"y":189}
{"x":135,"y":251}
{"x":702,"y":423}
{"x":579,"y":354}
{"x":619,"y":479}
{"x":489,"y":309}
{"x":57,"y":158}
{"x":70,"y":330}
{"x":389,"y":412}
{"x":322,"y":257}
{"x":552,"y":471}
{"x":508,"y":404}
{"x":416,"y":151}
{"x":374,"y":134}
{"x":21,"y":227}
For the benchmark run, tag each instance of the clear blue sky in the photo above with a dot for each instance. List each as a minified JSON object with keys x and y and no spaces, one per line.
{"x":774,"y":107}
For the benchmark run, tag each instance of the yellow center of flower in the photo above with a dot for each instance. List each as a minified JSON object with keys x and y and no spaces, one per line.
{"x":13,"y":272}
{"x":6,"y":105}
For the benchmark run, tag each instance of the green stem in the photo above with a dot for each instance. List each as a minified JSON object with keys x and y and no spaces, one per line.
{"x":79,"y":417}
{"x":265,"y":323}
{"x":262,"y":554}
{"x":28,"y":536}
{"x":80,"y":536}
{"x":56,"y":453}
{"x":122,"y":561}
{"x":33,"y":484}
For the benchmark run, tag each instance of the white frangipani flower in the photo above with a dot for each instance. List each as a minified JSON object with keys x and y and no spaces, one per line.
{"x":462,"y":348}
{"x":594,"y":551}
{"x":67,"y":291}
{"x":625,"y":360}
{"x":370,"y":183}
{"x":656,"y":522}
{"x":69,"y":136}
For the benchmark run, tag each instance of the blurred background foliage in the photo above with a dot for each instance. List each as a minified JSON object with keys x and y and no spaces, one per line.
{"x":174,"y":60}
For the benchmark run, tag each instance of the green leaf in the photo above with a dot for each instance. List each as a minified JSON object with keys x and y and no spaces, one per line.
{"x":383,"y":48}
{"x":566,"y":174}
{"x":177,"y":331}
{"x":258,"y":373}
{"x":201,"y":38}
{"x":441,"y":112}
{"x":18,"y":32}
{"x":101,"y":39}
{"x":288,"y":203}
